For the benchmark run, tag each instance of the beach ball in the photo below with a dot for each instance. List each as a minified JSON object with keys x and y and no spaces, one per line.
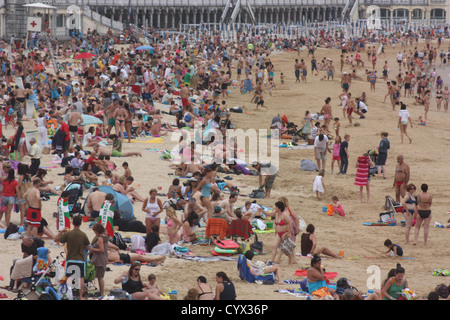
{"x":274,"y":60}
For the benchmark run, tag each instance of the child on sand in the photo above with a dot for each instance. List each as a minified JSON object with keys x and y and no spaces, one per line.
{"x":394,"y":249}
{"x":335,"y":207}
{"x":318,"y":186}
{"x":336,"y":157}
{"x":127,"y":172}
{"x":152,"y":286}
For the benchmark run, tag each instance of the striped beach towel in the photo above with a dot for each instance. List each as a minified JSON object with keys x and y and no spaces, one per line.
{"x":362,"y":171}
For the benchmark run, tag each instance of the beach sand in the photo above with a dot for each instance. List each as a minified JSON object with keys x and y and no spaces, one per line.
{"x":427,"y":157}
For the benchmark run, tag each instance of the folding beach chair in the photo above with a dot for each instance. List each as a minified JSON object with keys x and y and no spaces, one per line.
{"x":216,"y":229}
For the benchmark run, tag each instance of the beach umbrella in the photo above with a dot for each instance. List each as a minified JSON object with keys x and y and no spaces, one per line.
{"x":121,"y":202}
{"x":84,"y":55}
{"x":88,"y":120}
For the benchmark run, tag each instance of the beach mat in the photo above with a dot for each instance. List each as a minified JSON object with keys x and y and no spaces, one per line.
{"x":328,"y":275}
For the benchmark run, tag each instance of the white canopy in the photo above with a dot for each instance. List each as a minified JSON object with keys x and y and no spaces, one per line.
{"x":39,"y":6}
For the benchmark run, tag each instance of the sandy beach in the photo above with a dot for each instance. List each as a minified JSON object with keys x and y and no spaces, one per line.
{"x":427,"y":156}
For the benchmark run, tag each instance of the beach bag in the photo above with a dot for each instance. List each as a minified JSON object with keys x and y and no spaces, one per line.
{"x":65,"y":292}
{"x":257,"y":246}
{"x":308,"y":165}
{"x":301,"y":224}
{"x":118,"y":241}
{"x":385,"y":217}
{"x":90,"y":273}
{"x":257,"y":194}
{"x":137,"y":243}
{"x":166,"y":155}
{"x":287,"y":246}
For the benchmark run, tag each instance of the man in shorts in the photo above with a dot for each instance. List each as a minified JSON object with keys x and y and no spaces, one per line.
{"x":320,"y":150}
{"x":77,"y":242}
{"x":32,"y":199}
{"x":269,"y":172}
{"x":74,"y":120}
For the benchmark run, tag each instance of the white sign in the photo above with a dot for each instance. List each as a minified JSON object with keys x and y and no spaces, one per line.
{"x":34,"y":24}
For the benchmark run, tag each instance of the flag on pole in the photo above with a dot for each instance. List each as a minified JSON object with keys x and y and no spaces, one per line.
{"x":34,"y":24}
{"x":63,"y":214}
{"x":106,"y":217}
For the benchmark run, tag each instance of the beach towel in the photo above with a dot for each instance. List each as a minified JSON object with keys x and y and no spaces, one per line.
{"x":362,"y":171}
{"x":328,"y":275}
{"x":240,"y":228}
{"x":106,"y":217}
{"x":63,"y":214}
{"x":246,"y":272}
{"x":218,"y":227}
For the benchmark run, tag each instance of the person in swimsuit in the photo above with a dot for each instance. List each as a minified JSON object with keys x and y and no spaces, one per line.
{"x":132,"y":283}
{"x":283,"y":227}
{"x":205,"y":186}
{"x":309,"y":246}
{"x":424,"y":201}
{"x":120,"y":115}
{"x":225,"y":288}
{"x":153,"y":207}
{"x":438,"y":99}
{"x":409,"y":203}
{"x":401,"y":178}
{"x":203,"y":289}
{"x":173,"y":225}
{"x":395,"y":284}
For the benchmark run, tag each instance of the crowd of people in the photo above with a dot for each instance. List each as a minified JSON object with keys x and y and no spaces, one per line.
{"x":128,"y":90}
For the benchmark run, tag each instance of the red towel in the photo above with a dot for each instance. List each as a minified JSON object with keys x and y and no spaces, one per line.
{"x":217,"y":226}
{"x":240,"y":228}
{"x":328,"y":275}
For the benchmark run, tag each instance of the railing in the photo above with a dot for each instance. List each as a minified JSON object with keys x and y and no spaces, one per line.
{"x":398,"y":2}
{"x":194,"y":3}
{"x":107,"y":22}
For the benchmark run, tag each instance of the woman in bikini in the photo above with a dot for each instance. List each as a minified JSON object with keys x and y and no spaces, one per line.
{"x":173,"y":225}
{"x":438,"y":99}
{"x":409,"y":203}
{"x":283,"y":227}
{"x":424,"y":201}
{"x":204,"y":290}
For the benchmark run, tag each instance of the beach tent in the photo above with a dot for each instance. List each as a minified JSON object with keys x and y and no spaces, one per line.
{"x":121,"y":202}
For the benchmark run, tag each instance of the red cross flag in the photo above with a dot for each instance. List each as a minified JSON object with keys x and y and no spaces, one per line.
{"x":34,"y":24}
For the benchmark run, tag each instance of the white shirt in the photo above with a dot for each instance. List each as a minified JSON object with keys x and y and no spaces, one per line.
{"x":321,"y":144}
{"x":86,"y":138}
{"x":404,"y":116}
{"x":254,"y":208}
{"x":362,"y":105}
{"x":35,"y":151}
